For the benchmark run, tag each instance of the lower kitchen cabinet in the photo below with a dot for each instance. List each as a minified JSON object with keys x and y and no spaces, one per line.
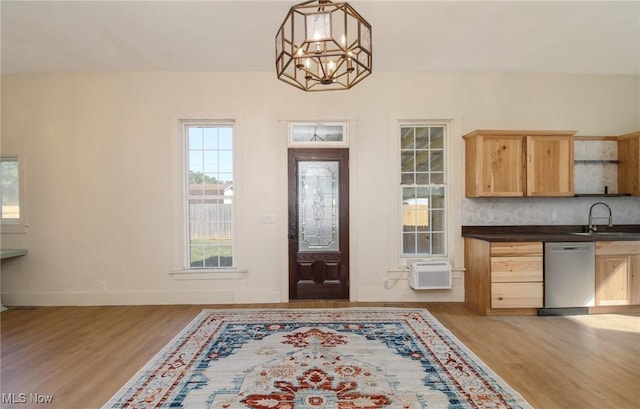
{"x":617,"y":273}
{"x":613,"y":280}
{"x":516,"y":295}
{"x":503,"y":277}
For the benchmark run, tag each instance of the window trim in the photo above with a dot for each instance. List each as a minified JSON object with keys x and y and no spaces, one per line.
{"x":20,"y":225}
{"x":185,"y":271}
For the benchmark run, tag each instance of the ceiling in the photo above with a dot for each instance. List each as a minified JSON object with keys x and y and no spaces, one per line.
{"x":591,"y":37}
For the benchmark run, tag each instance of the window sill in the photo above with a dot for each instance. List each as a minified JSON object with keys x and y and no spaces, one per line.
{"x":13,"y":228}
{"x":213,"y":274}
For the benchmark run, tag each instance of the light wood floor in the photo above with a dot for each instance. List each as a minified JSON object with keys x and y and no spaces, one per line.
{"x":82,"y":355}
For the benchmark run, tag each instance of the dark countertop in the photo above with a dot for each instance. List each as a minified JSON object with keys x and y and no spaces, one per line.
{"x":551,"y":233}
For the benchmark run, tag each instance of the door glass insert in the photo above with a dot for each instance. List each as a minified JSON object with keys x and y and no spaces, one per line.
{"x":318,"y":199}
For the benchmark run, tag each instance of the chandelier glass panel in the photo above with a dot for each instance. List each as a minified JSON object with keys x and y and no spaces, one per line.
{"x":323,"y":46}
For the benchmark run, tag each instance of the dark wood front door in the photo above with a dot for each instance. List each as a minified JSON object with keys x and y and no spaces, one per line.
{"x":318,"y":224}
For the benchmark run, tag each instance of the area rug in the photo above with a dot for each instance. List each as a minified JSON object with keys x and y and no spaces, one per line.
{"x":329,"y":358}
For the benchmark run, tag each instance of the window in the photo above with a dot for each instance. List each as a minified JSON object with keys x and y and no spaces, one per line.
{"x":315,"y":134}
{"x":12,"y":213}
{"x":423,"y":189}
{"x":209,"y":198}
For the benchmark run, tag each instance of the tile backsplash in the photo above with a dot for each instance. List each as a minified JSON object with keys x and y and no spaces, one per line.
{"x":546,"y":211}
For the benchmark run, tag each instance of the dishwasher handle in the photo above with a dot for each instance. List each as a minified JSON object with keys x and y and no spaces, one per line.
{"x":558,"y":247}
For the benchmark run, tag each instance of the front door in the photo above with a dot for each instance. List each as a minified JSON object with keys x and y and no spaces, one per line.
{"x":318,"y":224}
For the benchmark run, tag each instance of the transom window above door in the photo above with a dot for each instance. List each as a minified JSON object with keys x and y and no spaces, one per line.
{"x":311,"y":134}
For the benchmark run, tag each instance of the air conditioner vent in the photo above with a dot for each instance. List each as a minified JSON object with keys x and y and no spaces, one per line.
{"x":430,"y":275}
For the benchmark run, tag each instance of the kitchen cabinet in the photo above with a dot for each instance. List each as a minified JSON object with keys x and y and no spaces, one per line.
{"x":518,"y":163}
{"x":613,"y":280}
{"x":629,"y":164}
{"x":503,"y":277}
{"x":495,"y":165}
{"x":550,"y":165}
{"x":617,"y":273}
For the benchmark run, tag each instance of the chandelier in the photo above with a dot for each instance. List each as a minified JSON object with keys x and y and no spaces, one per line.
{"x":323,"y":46}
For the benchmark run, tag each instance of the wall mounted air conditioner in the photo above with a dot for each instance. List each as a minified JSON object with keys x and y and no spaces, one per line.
{"x":430,"y":275}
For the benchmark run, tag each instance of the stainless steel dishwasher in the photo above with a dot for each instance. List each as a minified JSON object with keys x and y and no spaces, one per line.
{"x":569,"y":277}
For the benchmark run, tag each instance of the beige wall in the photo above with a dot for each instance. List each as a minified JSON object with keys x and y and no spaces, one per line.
{"x":102,"y":168}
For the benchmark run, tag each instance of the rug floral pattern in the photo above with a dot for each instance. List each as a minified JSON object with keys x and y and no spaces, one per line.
{"x":333,"y":358}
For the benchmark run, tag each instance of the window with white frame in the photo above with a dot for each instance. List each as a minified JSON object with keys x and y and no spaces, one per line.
{"x":423,"y":189}
{"x":209,"y":200}
{"x":12,"y":193}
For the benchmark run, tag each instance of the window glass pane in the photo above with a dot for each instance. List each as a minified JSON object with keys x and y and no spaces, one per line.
{"x":226,"y":162}
{"x":422,"y":161}
{"x":407,"y":179}
{"x":225,"y":139}
{"x":195,"y":138}
{"x":437,"y":161}
{"x":406,"y":138}
{"x":318,"y":133}
{"x":10,"y":190}
{"x":210,"y":162}
{"x":195,"y":161}
{"x":407,"y":161}
{"x":437,"y":137}
{"x":422,"y":178}
{"x":210,"y":138}
{"x":437,"y":178}
{"x":438,"y":243}
{"x":422,"y":243}
{"x":437,"y":197}
{"x":422,"y":138}
{"x":408,"y":193}
{"x":225,"y":178}
{"x":437,"y":220}
{"x":409,"y":243}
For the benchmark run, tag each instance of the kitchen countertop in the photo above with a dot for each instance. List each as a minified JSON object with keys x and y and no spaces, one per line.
{"x":551,"y":233}
{"x":9,"y":253}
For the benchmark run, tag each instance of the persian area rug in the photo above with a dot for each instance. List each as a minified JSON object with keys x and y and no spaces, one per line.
{"x":329,"y":358}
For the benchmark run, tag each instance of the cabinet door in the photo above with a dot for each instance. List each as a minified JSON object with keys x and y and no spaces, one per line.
{"x":613,"y":280}
{"x":500,"y":170}
{"x":550,"y":166}
{"x":629,"y":165}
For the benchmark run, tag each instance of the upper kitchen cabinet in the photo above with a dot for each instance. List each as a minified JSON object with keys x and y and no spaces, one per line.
{"x":519,"y":163}
{"x":629,"y":164}
{"x":495,"y":164}
{"x":550,"y":165}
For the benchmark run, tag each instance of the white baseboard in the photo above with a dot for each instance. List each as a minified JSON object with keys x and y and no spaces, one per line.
{"x":34,"y":299}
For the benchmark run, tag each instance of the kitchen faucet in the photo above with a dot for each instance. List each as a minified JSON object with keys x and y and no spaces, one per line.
{"x":592,"y":226}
